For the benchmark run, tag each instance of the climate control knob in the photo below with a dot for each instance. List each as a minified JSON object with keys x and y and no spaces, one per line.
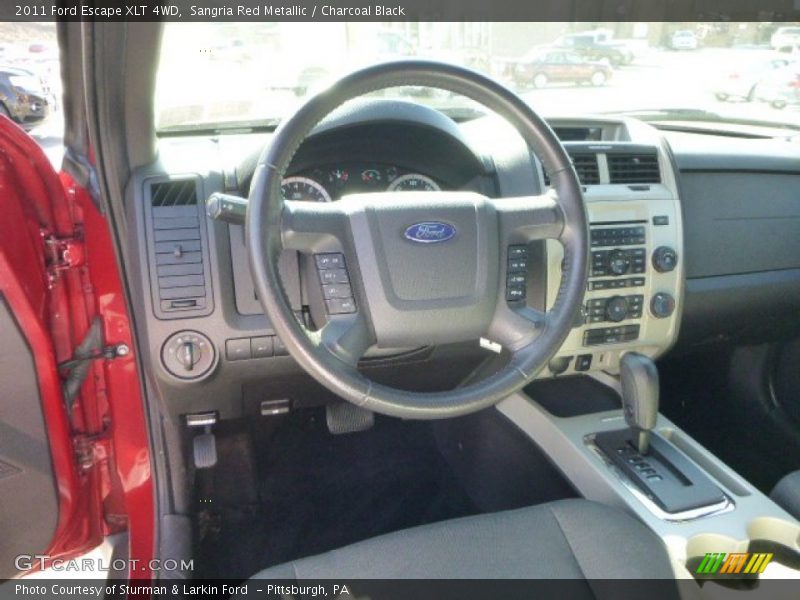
{"x":662,"y":305}
{"x":619,"y":262}
{"x":616,"y":309}
{"x":665,"y":259}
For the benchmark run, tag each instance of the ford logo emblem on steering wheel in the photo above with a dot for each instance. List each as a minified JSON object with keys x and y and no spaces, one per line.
{"x":430,"y":232}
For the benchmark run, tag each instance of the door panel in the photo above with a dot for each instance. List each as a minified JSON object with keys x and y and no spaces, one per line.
{"x":28,"y":494}
{"x":49,"y":505}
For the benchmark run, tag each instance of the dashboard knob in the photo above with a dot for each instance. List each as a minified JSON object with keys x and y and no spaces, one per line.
{"x":618,"y":262}
{"x":616,"y":309}
{"x":559,"y":364}
{"x":662,"y":305}
{"x":188,"y":354}
{"x":665,"y":259}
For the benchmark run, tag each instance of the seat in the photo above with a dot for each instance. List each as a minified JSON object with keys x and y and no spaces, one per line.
{"x":567,"y":539}
{"x":786,"y":494}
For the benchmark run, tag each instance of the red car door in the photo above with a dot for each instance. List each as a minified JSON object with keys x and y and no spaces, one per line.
{"x":71,"y":470}
{"x":555,"y":67}
{"x":579,"y":69}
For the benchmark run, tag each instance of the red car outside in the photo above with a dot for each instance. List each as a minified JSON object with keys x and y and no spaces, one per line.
{"x":563,"y":66}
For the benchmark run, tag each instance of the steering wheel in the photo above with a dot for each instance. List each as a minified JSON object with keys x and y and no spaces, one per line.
{"x":424,"y":268}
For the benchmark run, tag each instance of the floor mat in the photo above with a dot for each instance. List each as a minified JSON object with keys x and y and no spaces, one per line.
{"x":319,"y":492}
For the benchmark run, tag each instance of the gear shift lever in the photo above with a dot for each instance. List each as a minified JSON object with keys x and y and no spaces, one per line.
{"x":639,"y":378}
{"x":659,"y":469}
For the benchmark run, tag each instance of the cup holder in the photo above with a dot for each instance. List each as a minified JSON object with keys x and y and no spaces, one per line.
{"x":779,"y":531}
{"x":777,"y":537}
{"x":737,"y":564}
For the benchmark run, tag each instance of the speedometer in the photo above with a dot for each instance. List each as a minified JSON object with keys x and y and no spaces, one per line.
{"x":303,"y":188}
{"x":414,"y":182}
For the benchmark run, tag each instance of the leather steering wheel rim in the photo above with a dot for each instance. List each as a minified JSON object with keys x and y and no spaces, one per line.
{"x":266,"y":238}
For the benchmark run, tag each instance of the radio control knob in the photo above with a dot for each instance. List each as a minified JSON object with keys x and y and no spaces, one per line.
{"x":618,"y":262}
{"x":665,"y":259}
{"x":616,"y":309}
{"x":662,"y":305}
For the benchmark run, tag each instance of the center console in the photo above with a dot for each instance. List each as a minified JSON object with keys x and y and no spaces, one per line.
{"x":634,"y":291}
{"x":718,"y":529}
{"x":713,"y":522}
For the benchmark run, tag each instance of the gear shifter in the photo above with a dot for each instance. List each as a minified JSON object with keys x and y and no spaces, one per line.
{"x":660,"y":470}
{"x":639,"y":396}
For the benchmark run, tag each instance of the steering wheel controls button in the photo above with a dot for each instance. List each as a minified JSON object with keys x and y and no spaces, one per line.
{"x":340,"y":306}
{"x":238,"y":349}
{"x":261,"y":347}
{"x":334,"y":276}
{"x":516,"y":265}
{"x":517,"y":252}
{"x":337,"y":290}
{"x":514,"y":293}
{"x":517,"y":279}
{"x":333,"y":260}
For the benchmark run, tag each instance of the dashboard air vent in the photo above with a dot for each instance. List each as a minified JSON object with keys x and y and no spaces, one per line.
{"x":181,"y":192}
{"x":180,"y":278}
{"x":633,"y":168}
{"x":586,"y":168}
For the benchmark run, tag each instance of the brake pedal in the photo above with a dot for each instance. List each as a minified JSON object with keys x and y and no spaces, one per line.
{"x":344,"y":417}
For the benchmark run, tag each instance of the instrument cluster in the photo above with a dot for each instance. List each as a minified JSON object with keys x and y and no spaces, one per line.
{"x":327,"y":184}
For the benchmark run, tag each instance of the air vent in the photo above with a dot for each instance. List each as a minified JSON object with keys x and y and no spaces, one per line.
{"x":586,"y":168}
{"x":633,"y":168}
{"x":179,"y":257}
{"x":174,"y":193}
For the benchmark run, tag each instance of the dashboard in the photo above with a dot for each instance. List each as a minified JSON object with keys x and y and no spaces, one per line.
{"x":196,"y":287}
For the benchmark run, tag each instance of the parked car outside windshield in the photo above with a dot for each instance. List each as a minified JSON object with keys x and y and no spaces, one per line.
{"x":557,"y":66}
{"x":276,"y":65}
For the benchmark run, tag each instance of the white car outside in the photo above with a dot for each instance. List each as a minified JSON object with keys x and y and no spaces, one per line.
{"x":740,"y":83}
{"x":683,"y":40}
{"x":785,"y":37}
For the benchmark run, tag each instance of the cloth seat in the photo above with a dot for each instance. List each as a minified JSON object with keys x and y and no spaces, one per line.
{"x":786,"y":494}
{"x":567,"y":539}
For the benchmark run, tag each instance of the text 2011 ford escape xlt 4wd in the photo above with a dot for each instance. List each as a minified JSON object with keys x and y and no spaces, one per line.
{"x":416,"y":322}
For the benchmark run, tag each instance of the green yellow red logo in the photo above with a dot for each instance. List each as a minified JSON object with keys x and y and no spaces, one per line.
{"x":731,"y":563}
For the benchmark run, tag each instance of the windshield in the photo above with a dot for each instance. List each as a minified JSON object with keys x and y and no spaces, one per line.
{"x":241,"y":74}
